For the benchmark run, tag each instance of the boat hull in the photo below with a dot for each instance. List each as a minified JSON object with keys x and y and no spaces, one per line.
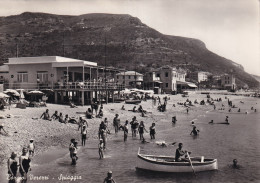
{"x":133,"y":101}
{"x":149,"y":163}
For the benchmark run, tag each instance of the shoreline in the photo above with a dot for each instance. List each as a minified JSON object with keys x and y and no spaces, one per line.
{"x":52,"y":134}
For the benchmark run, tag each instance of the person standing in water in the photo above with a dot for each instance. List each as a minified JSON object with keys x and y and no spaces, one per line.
{"x":74,"y":154}
{"x":109,"y":178}
{"x":12,"y":166}
{"x":125,"y":128}
{"x":24,"y":162}
{"x":116,"y":123}
{"x":141,"y":130}
{"x":101,"y":149}
{"x":31,"y":147}
{"x":83,"y":135}
{"x":152,"y":131}
{"x":194,"y":131}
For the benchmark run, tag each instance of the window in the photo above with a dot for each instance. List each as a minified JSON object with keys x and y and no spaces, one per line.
{"x":43,"y":76}
{"x":166,"y":85}
{"x":157,"y":75}
{"x":117,"y":77}
{"x":123,"y":77}
{"x":166,"y":74}
{"x":129,"y":77}
{"x":22,"y":77}
{"x":150,"y":74}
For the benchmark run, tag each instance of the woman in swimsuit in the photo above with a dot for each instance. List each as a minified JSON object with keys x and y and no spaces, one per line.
{"x":12,"y":167}
{"x":24,"y":162}
{"x":141,"y":129}
{"x":152,"y":131}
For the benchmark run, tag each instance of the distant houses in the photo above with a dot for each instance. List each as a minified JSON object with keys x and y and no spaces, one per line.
{"x":167,"y":80}
{"x":131,"y":79}
{"x":228,"y":82}
{"x":55,"y":72}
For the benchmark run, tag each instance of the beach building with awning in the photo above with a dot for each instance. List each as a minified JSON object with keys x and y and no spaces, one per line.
{"x":164,"y":79}
{"x":183,"y":85}
{"x":61,"y":74}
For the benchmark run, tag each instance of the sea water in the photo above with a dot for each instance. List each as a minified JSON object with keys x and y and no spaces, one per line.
{"x":239,"y":140}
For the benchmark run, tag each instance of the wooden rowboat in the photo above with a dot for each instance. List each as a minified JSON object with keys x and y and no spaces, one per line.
{"x":133,"y":101}
{"x":168,"y":164}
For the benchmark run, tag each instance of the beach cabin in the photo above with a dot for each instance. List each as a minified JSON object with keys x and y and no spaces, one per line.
{"x":68,"y":78}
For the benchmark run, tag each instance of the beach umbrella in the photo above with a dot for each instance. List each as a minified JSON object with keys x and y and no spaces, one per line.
{"x":21,"y":95}
{"x":2,"y":95}
{"x":35,"y":93}
{"x":12,"y":92}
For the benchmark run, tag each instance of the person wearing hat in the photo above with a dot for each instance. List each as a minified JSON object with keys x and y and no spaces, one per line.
{"x":101,"y":149}
{"x":31,"y":148}
{"x":12,"y":166}
{"x":109,"y":178}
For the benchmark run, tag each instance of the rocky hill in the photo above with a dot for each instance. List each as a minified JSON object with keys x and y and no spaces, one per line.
{"x":129,"y":43}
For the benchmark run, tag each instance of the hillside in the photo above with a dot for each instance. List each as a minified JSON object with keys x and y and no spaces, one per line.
{"x":130,"y":43}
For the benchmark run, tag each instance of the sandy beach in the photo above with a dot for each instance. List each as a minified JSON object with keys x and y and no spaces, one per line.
{"x":23,"y":124}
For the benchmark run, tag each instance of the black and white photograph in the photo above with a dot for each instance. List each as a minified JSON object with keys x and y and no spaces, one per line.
{"x":129,"y":91}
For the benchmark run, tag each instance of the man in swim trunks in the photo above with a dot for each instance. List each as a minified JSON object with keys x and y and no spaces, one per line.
{"x":109,"y":178}
{"x":179,"y":153}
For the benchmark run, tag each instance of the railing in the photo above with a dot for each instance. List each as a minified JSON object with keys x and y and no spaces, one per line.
{"x":67,"y":86}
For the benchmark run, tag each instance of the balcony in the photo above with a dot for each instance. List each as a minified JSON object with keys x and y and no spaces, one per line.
{"x":81,"y":86}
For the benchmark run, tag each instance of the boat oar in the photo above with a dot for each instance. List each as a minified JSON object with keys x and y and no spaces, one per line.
{"x":191,"y":163}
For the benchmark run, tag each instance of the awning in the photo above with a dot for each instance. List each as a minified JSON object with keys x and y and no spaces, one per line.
{"x":192,"y":85}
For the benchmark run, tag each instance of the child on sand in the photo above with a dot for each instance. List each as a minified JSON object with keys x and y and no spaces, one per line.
{"x":31,"y":148}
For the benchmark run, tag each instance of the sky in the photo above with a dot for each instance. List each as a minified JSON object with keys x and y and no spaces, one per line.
{"x":229,"y":28}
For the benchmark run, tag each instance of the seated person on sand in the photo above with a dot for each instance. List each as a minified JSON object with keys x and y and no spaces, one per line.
{"x":140,"y":109}
{"x":123,"y":107}
{"x":72,"y":105}
{"x":55,"y":116}
{"x":100,"y":113}
{"x":134,"y":109}
{"x":61,"y":120}
{"x":89,"y":114}
{"x":2,"y":128}
{"x":46,"y":115}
